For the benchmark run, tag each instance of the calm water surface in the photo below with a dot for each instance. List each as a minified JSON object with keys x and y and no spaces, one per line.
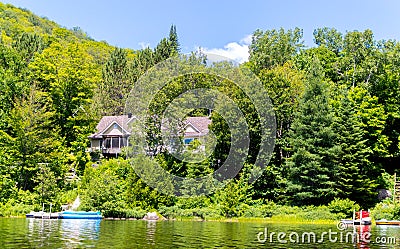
{"x":31,"y":233}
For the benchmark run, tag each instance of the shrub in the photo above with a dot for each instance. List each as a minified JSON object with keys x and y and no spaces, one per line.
{"x":137,"y":213}
{"x":318,"y":213}
{"x":386,"y":210}
{"x":260,"y":210}
{"x":193,"y":202}
{"x":269,"y":209}
{"x":253,"y":212}
{"x":176,"y":212}
{"x":206,"y":212}
{"x":343,"y":207}
{"x":11,"y":208}
{"x":286,"y":210}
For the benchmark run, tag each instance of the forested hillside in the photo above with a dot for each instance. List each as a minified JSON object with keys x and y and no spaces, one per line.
{"x":337,"y":108}
{"x":56,"y":84}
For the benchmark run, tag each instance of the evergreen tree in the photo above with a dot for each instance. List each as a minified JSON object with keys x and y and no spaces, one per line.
{"x":116,"y":84}
{"x":173,"y":38}
{"x":355,"y":177}
{"x":167,"y":47}
{"x":147,"y":58}
{"x":311,"y":166}
{"x":163,"y":50}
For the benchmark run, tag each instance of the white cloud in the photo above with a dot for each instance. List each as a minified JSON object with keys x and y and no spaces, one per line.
{"x":144,"y":45}
{"x":238,"y":51}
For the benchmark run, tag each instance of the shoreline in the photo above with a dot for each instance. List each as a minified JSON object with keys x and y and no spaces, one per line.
{"x":222,"y":220}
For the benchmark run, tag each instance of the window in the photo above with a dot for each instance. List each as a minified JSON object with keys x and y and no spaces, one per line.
{"x":115,"y":126}
{"x":115,"y":142}
{"x":187,"y":141}
{"x":107,"y":143}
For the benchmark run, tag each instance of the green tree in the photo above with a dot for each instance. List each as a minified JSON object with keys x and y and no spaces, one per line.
{"x":70,"y":76}
{"x":139,"y":193}
{"x":356,"y":173}
{"x":147,"y":58}
{"x":285,"y":85}
{"x":232,"y":196}
{"x":274,"y":47}
{"x":116,"y":85}
{"x":46,"y":184}
{"x":311,"y":166}
{"x":7,"y":182}
{"x":13,"y":82}
{"x":27,"y":45}
{"x":358,"y":64}
{"x":386,"y":87}
{"x":173,"y":38}
{"x":34,"y":138}
{"x":103,"y":188}
{"x":328,"y":59}
{"x":329,"y":38}
{"x":167,"y":47}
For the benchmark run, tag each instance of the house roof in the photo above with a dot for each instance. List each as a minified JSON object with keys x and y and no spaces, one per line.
{"x":107,"y":121}
{"x":199,"y":125}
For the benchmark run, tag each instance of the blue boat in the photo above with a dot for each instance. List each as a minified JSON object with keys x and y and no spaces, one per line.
{"x":80,"y":215}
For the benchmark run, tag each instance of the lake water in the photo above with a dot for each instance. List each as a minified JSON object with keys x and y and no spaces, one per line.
{"x":31,"y":233}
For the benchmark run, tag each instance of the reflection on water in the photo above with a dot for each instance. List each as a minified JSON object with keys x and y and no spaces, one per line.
{"x":68,"y":233}
{"x":364,"y":235}
{"x":78,"y":231}
{"x":31,"y":233}
{"x":40,"y":231}
{"x":151,"y":232}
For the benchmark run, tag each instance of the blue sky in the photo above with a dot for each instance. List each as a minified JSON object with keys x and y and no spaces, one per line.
{"x":219,"y":26}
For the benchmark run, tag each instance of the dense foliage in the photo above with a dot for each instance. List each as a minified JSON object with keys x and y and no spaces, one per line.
{"x":337,"y":108}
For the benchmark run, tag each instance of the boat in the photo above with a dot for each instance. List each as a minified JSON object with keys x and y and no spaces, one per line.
{"x":42,"y":214}
{"x":34,"y":214}
{"x":387,"y":222}
{"x":80,"y":215}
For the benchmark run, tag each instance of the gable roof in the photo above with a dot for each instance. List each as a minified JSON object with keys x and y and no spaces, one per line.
{"x":199,"y":124}
{"x":107,"y":121}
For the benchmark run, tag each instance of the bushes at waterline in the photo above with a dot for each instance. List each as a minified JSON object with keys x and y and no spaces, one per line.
{"x":343,"y":207}
{"x":260,"y":210}
{"x":386,"y":209}
{"x":14,"y":209}
{"x":136,"y":213}
{"x":113,"y":188}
